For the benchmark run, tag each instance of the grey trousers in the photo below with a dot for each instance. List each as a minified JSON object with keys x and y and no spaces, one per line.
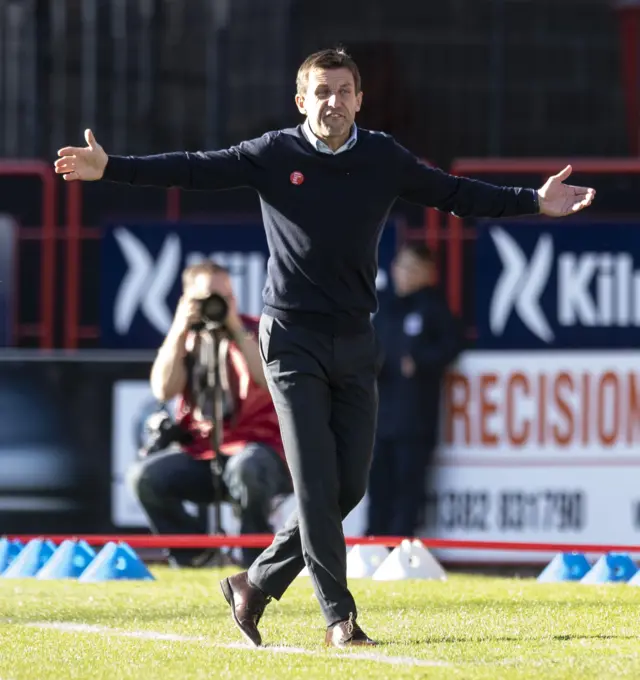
{"x":251,"y":478}
{"x":325,"y":394}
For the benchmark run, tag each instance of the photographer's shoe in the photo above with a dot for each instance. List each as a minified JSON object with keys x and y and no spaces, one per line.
{"x":347,"y":633}
{"x":247,"y":605}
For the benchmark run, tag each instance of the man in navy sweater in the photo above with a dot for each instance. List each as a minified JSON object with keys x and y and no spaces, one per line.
{"x":326,"y":188}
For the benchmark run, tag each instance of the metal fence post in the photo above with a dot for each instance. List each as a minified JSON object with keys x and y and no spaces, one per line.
{"x":120,"y":47}
{"x":58,"y":83}
{"x":216,"y":72}
{"x":89,"y":62}
{"x":144,"y":82}
{"x":13,"y":18}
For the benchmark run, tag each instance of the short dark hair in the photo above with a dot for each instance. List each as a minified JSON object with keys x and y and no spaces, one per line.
{"x":332,"y":58}
{"x":205,"y":267}
{"x":419,"y":250}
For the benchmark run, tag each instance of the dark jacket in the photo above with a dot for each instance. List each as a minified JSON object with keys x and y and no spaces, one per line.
{"x":421,"y":326}
{"x":323,"y":214}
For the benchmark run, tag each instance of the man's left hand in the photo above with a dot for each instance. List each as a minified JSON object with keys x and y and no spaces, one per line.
{"x":557,"y":199}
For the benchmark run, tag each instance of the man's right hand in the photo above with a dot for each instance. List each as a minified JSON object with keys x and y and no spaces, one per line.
{"x":187,"y":314}
{"x":169,"y":373}
{"x":86,"y":163}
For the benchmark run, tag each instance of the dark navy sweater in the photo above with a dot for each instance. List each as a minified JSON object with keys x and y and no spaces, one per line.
{"x":323,"y":214}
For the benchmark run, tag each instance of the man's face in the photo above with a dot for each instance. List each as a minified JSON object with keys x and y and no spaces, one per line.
{"x":205,"y":284}
{"x":410,"y":273}
{"x":331,"y":102}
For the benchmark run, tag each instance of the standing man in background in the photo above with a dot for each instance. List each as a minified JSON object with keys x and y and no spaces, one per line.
{"x":419,"y":338}
{"x":326,"y":188}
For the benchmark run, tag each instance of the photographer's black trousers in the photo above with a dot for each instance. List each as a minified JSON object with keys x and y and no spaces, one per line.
{"x":250,"y":480}
{"x":324,"y":391}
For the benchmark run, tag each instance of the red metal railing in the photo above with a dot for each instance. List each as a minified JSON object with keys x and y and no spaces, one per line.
{"x":73,"y":273}
{"x":46,"y":233}
{"x":444,"y":234}
{"x":75,"y":234}
{"x":264,"y":540}
{"x":629,"y":17}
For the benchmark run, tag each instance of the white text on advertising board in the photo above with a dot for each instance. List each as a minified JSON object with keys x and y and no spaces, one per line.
{"x":146,"y":286}
{"x":594,"y":289}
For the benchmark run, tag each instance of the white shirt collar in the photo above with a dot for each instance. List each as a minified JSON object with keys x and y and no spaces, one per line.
{"x":319,"y":145}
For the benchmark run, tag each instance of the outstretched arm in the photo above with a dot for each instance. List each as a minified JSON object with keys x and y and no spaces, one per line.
{"x":466,"y":197}
{"x":237,"y":166}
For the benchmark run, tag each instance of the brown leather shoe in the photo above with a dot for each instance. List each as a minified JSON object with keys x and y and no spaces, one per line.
{"x":347,"y":633}
{"x":247,"y":605}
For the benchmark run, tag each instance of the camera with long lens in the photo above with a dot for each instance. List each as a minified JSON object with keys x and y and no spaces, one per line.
{"x":213,"y":310}
{"x":160,"y":432}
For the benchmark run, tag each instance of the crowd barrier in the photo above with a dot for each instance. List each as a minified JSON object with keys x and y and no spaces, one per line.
{"x":264,"y":540}
{"x":115,"y":558}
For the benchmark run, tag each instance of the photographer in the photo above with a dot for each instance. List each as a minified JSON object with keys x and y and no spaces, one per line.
{"x":251,"y":469}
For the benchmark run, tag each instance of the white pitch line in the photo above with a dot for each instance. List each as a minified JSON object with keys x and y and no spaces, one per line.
{"x":67,"y":627}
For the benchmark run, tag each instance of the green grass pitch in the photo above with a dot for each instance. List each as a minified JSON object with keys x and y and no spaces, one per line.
{"x":179,"y":627}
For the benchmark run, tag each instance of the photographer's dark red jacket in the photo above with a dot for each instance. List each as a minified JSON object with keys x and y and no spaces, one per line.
{"x":254,"y":418}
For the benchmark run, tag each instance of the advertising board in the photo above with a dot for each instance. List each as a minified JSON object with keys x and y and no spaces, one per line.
{"x":539,"y":447}
{"x":557,"y":284}
{"x":142,"y":264}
